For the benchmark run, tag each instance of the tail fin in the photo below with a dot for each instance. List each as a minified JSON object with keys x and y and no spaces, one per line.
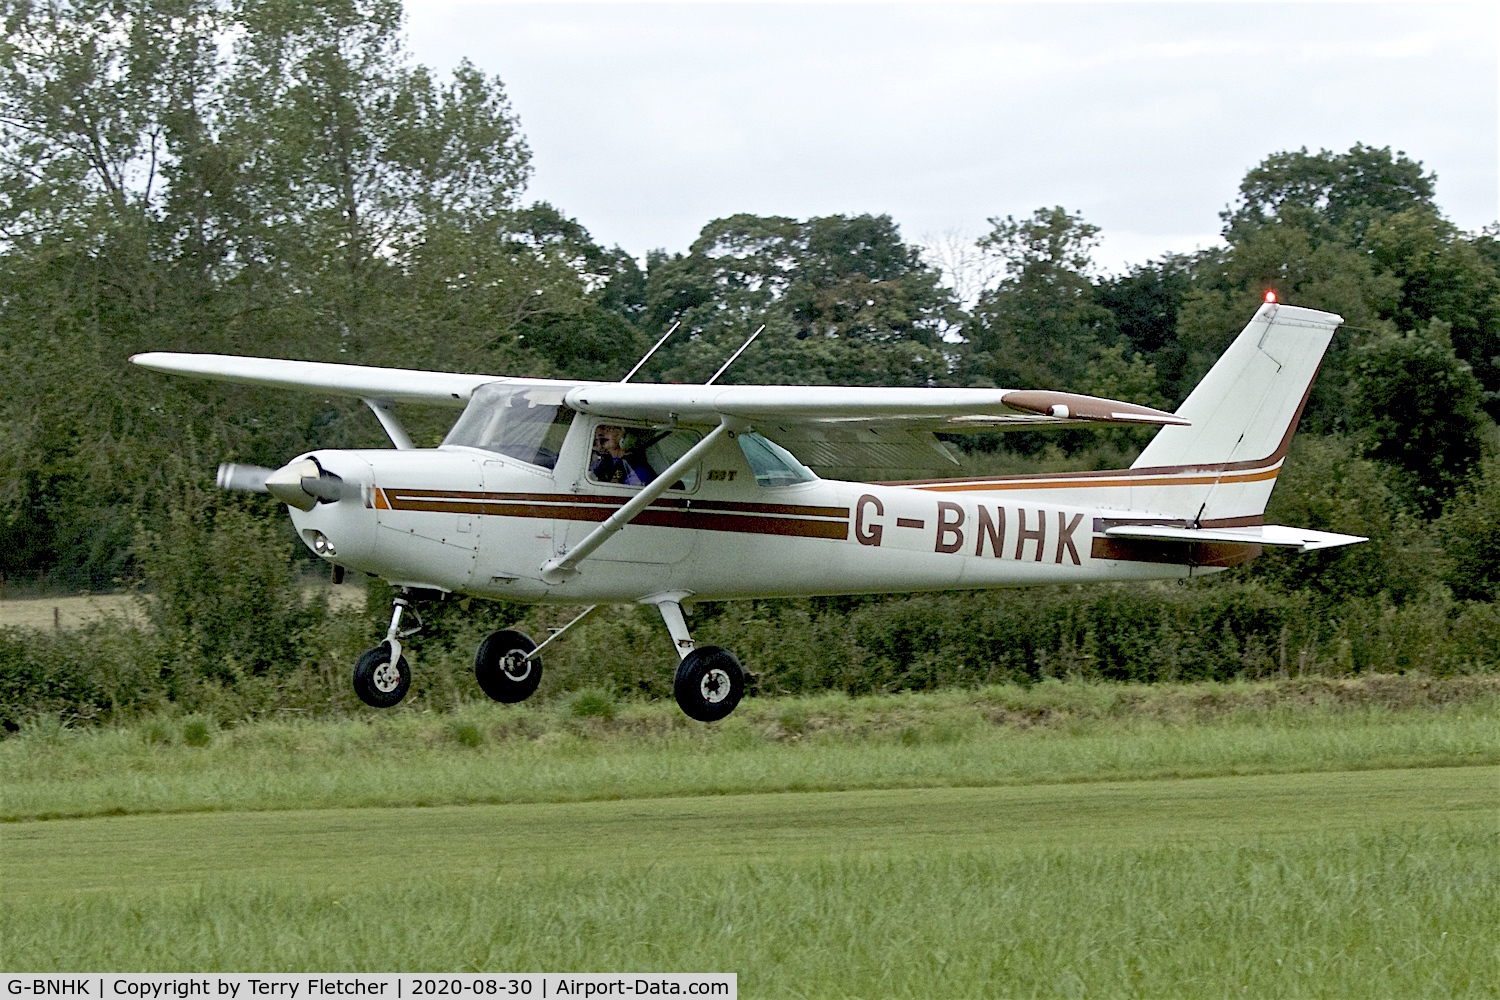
{"x":1221,"y":468}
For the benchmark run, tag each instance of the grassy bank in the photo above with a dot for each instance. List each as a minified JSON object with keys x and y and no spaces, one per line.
{"x":593,"y":747}
{"x":203,"y":652}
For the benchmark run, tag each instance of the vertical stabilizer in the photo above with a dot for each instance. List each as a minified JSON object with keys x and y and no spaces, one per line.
{"x":1221,"y":467}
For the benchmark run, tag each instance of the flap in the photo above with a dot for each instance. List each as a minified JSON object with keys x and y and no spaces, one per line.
{"x":836,"y":447}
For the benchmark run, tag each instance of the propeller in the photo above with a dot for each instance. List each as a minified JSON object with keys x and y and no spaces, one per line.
{"x":243,"y":478}
{"x":303,"y":484}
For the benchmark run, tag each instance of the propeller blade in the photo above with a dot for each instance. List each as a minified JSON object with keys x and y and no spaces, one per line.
{"x":243,"y":478}
{"x":330,"y":488}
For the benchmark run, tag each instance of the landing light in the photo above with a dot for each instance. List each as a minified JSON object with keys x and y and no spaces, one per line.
{"x":321,"y":545}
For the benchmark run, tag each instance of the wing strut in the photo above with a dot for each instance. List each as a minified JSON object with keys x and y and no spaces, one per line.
{"x":564,"y":567}
{"x":388,"y":419}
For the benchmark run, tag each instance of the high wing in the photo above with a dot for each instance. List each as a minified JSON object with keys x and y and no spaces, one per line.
{"x":395,"y":385}
{"x":825,"y":426}
{"x":848,"y":427}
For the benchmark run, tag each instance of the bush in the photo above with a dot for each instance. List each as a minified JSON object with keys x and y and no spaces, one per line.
{"x":593,"y":705}
{"x":195,"y":733}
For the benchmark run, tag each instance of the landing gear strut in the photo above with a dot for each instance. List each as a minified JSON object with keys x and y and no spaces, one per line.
{"x":710,"y":682}
{"x":382,"y":676}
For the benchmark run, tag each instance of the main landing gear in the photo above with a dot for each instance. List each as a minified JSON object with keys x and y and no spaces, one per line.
{"x":710,"y":682}
{"x":709,"y":685}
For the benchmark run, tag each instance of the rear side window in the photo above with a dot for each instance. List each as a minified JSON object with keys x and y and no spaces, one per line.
{"x":524,"y":423}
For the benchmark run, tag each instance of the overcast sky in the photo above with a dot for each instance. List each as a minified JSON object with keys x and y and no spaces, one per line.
{"x":647,"y":120}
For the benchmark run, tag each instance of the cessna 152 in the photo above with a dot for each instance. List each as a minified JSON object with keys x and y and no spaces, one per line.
{"x":577,"y":493}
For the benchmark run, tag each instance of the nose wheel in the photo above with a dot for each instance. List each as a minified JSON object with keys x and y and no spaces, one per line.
{"x":379,"y":682}
{"x":382,"y":676}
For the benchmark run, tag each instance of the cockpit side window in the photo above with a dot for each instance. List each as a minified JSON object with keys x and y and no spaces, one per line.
{"x":634,"y":456}
{"x":772,"y":464}
{"x":520,"y":422}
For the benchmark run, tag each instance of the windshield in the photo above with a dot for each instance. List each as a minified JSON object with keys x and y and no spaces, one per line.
{"x":772,"y":464}
{"x":520,"y":422}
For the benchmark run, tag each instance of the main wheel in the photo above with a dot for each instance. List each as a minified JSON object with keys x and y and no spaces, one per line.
{"x":377,"y":682}
{"x":502,"y":669}
{"x":710,"y":683}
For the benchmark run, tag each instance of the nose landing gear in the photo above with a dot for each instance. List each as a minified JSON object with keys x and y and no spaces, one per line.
{"x":382,"y":676}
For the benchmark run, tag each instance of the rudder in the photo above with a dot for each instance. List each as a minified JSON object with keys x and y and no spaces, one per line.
{"x":1221,"y":468}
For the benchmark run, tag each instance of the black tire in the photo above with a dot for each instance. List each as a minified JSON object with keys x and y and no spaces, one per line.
{"x":374,"y":681}
{"x":710,"y":683}
{"x":502,"y":669}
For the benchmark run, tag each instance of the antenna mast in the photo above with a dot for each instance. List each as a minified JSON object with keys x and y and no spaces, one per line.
{"x":736,"y":354}
{"x":663,"y":340}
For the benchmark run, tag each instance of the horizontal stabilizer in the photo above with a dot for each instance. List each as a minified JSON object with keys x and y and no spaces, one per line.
{"x":1302,"y":539}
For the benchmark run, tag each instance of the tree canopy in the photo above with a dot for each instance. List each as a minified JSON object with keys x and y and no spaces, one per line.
{"x":279,"y":177}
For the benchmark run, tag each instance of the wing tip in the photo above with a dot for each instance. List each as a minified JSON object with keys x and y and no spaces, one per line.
{"x":1075,"y":406}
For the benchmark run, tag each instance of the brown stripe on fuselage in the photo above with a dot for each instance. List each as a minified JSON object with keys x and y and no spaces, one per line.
{"x":1103,"y":524}
{"x":685,"y":503}
{"x":744,"y":518}
{"x":1086,"y":480}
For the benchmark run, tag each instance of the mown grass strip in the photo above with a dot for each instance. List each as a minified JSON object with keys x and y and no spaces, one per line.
{"x":1367,"y":883}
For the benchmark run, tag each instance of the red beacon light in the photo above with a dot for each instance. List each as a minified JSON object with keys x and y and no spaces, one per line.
{"x":1270,"y":296}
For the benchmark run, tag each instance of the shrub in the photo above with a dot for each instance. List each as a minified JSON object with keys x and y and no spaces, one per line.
{"x":465,"y":734}
{"x":593,"y":705}
{"x":195,"y":733}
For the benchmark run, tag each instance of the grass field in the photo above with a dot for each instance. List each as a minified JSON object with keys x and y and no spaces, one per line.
{"x":68,"y":611}
{"x":1069,"y":856}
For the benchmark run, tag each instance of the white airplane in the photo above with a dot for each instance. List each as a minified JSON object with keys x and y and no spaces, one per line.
{"x":573,"y":492}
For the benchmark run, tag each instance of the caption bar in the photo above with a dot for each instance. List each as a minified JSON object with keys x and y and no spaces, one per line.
{"x":382,"y":985}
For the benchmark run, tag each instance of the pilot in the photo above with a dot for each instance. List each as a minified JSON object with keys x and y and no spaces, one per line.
{"x":611,"y":463}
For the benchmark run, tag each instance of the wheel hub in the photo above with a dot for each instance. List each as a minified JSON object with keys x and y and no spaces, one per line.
{"x":715,"y":685}
{"x":515,"y":665}
{"x":386,"y":678}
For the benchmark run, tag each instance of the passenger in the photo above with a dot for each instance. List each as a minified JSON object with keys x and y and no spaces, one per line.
{"x":611,"y":463}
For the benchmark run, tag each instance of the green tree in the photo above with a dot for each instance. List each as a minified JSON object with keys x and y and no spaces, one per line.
{"x":844,"y":301}
{"x":1336,"y":189}
{"x":1416,"y":408}
{"x":269,"y":177}
{"x":1041,"y":324}
{"x":1144,"y":304}
{"x":1470,"y":530}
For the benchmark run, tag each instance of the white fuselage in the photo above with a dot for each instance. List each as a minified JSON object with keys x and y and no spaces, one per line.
{"x":469,"y":521}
